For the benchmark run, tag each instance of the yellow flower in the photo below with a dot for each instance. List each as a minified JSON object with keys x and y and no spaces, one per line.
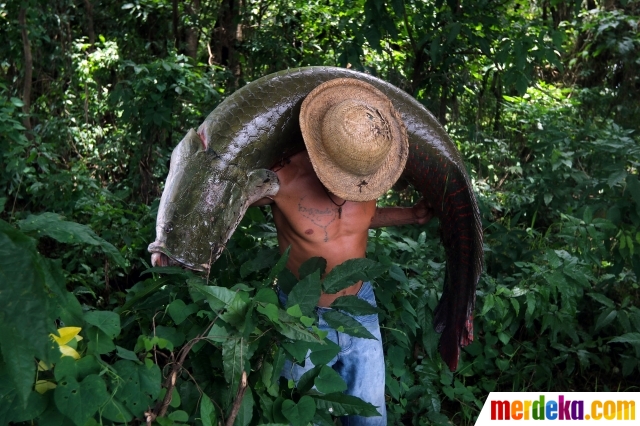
{"x":66,"y":335}
{"x":44,"y":385}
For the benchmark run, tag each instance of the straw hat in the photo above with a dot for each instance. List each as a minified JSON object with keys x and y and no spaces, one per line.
{"x":356,"y":140}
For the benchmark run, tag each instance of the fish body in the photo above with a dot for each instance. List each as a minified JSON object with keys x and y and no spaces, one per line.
{"x":221,"y":169}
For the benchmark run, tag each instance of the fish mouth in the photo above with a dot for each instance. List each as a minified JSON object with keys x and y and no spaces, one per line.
{"x":161,"y":257}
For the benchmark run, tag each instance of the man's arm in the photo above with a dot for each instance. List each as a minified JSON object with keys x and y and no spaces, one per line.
{"x":394,"y":216}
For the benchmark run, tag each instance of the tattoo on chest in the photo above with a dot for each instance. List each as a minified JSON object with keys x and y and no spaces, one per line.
{"x":322,"y":218}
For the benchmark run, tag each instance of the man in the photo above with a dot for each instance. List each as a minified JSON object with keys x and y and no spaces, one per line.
{"x":356,"y":149}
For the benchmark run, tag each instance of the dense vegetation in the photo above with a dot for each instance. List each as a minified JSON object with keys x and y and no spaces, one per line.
{"x":540,"y":97}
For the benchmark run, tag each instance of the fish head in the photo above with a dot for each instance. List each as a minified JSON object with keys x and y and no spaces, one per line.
{"x":203,"y":201}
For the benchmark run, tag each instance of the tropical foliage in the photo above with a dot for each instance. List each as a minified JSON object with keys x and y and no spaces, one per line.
{"x":540,"y":97}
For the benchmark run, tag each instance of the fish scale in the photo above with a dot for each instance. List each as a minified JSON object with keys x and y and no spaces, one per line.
{"x":257,"y":126}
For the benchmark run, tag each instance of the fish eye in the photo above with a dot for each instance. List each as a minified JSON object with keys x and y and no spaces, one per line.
{"x":168,"y":227}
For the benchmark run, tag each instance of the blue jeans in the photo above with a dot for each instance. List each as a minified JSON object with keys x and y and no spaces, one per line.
{"x":360,"y":363}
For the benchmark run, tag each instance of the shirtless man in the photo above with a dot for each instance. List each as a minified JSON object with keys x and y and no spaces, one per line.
{"x":327,"y":203}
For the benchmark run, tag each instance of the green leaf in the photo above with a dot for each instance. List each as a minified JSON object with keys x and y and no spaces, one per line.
{"x":246,"y":409}
{"x":606,"y":318}
{"x":298,"y":349}
{"x":218,"y":297}
{"x":99,"y":343}
{"x":633,"y":338}
{"x":299,"y":414}
{"x":236,"y":310}
{"x":79,"y":401}
{"x":137,"y":386}
{"x":116,"y":411}
{"x":312,"y":265}
{"x":398,"y":274}
{"x":354,"y":305}
{"x":180,"y":311}
{"x":323,"y":353}
{"x":52,"y":225}
{"x":107,"y":321}
{"x":340,"y":404}
{"x":208,"y":414}
{"x":350,"y":272}
{"x":346,"y":324}
{"x":278,"y":364}
{"x":305,"y":383}
{"x":306,"y":294}
{"x":633,"y":185}
{"x":179,"y":416}
{"x":616,"y":177}
{"x":234,"y":356}
{"x":286,"y":280}
{"x":76,"y":369}
{"x":279,"y":267}
{"x":26,"y":311}
{"x":328,"y":381}
{"x":601,"y":298}
{"x":266,"y":295}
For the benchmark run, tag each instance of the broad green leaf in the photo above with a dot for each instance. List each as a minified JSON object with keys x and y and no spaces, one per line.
{"x":52,"y":225}
{"x":295,"y":311}
{"x":208,"y":413}
{"x":328,"y":381}
{"x":218,"y":297}
{"x":98,"y":342}
{"x":606,"y":318}
{"x":312,"y":265}
{"x":246,"y":409}
{"x":306,"y":294}
{"x":346,"y":324}
{"x":264,"y":259}
{"x":270,"y":311}
{"x":350,"y":272}
{"x":279,"y":267}
{"x":299,"y":414}
{"x":278,"y":365}
{"x":236,"y":310}
{"x":298,"y":349}
{"x":633,"y":185}
{"x":286,"y":280}
{"x":354,"y":305}
{"x":19,"y":368}
{"x":323,"y":353}
{"x":601,"y":298}
{"x":340,"y":404}
{"x":79,"y":401}
{"x":235,"y":352}
{"x":116,"y":411}
{"x":137,"y":386}
{"x":296,"y":331}
{"x":397,"y":274}
{"x":180,"y":311}
{"x":77,"y":369}
{"x":26,"y":310}
{"x":305,"y":383}
{"x":179,"y":416}
{"x":633,"y":338}
{"x":127,"y":354}
{"x":12,"y":409}
{"x":107,"y":321}
{"x":266,"y":295}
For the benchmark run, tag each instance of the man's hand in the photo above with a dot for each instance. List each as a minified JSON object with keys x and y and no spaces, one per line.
{"x":395,"y":216}
{"x":422,"y":213}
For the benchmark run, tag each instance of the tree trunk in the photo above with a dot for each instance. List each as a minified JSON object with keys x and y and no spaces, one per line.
{"x":28,"y":70}
{"x":192,"y":33}
{"x":90,"y":30}
{"x":227,"y":33}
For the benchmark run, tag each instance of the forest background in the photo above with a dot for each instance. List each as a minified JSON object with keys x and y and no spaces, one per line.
{"x":541,"y":98}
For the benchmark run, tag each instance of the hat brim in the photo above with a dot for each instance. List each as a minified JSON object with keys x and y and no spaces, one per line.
{"x":347,"y":185}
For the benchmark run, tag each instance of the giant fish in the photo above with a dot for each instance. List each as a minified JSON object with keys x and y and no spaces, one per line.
{"x":218,"y":171}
